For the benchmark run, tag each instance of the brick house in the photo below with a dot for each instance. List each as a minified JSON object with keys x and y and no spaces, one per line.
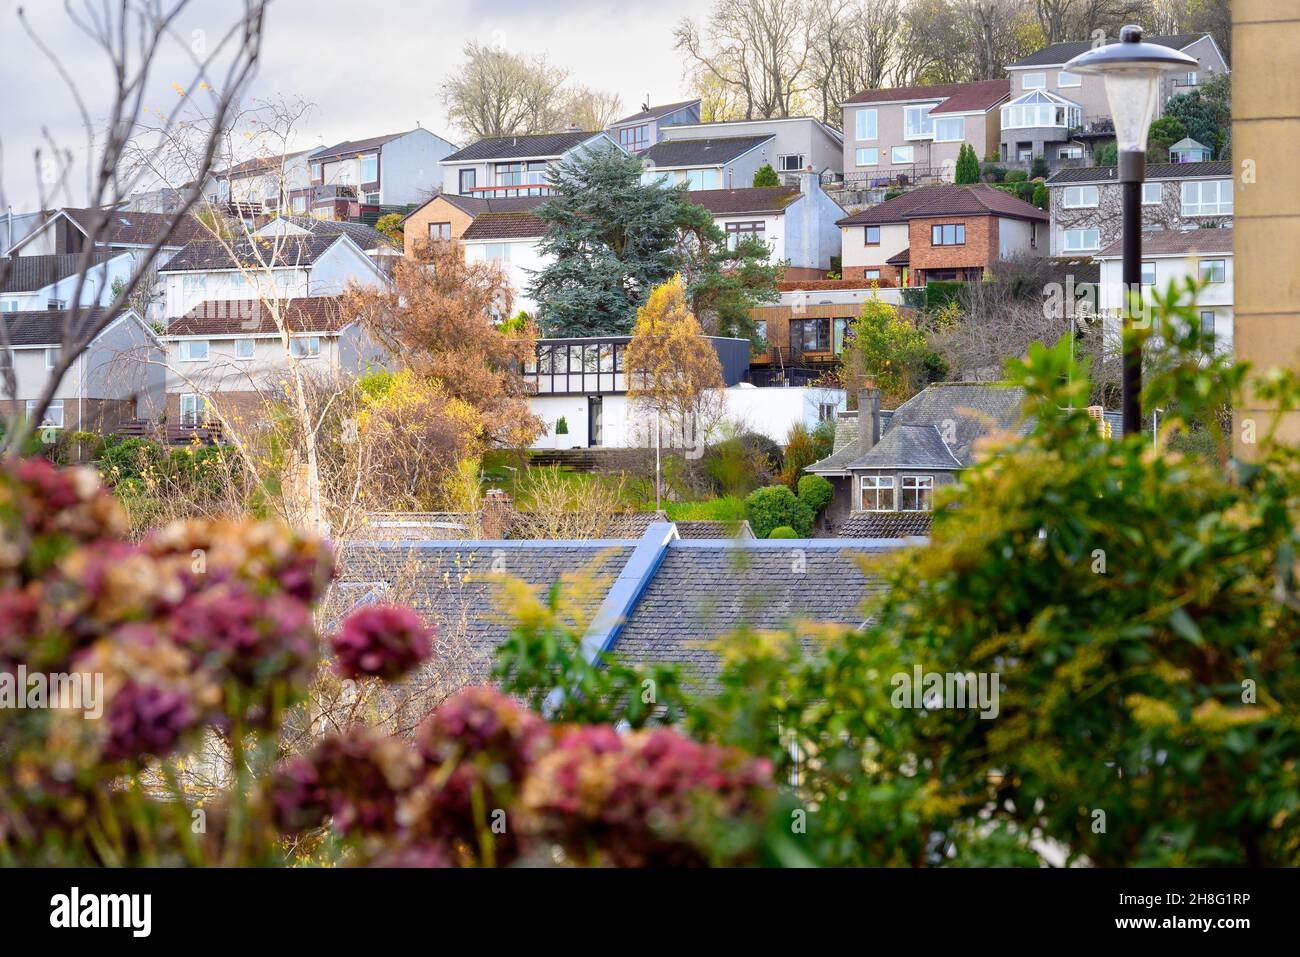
{"x":449,"y":216}
{"x":940,"y":233}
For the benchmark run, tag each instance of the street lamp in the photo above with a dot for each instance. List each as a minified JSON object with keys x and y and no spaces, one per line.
{"x":1132,"y":71}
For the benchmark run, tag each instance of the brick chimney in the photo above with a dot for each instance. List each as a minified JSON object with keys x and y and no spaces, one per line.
{"x":497,"y":515}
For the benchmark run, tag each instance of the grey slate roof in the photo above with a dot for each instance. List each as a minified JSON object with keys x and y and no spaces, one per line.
{"x":37,"y":327}
{"x":367,"y":237}
{"x":1177,"y":242}
{"x":885,"y":525}
{"x":1059,"y":53}
{"x":654,"y":112}
{"x":908,"y":446}
{"x":845,"y":445}
{"x":30,"y":273}
{"x":711,"y":151}
{"x":352,"y":147}
{"x":520,"y":147}
{"x":1109,"y":174}
{"x":274,"y":251}
{"x":704,"y":528}
{"x":974,"y":408}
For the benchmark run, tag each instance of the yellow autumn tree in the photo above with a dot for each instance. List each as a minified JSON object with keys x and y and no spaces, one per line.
{"x":673,"y":371}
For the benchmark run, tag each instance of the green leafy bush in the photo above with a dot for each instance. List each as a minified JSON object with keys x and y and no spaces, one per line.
{"x":561,"y":426}
{"x":783,"y":531}
{"x":800,"y":452}
{"x":817,"y":491}
{"x":823,"y":437}
{"x":1040,"y":197}
{"x":765,"y":176}
{"x":768,"y":508}
{"x":728,"y":508}
{"x":1016,"y":176}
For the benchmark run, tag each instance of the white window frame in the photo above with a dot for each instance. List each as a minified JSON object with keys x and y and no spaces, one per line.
{"x":893,"y":155}
{"x":52,"y":357}
{"x":188,"y":347}
{"x":1065,"y":240}
{"x":239,"y":347}
{"x":198,"y":415}
{"x":1070,"y":152}
{"x":1040,"y":85}
{"x":497,"y":252}
{"x":782,"y":163}
{"x":1147,"y":265}
{"x":922,"y":129}
{"x":878,"y":484}
{"x":310,"y":350}
{"x":1222,"y":270}
{"x":961,"y":129}
{"x":916,"y":484}
{"x":1081,"y":196}
{"x":871,"y":274}
{"x":50,"y":419}
{"x":694,"y":176}
{"x":1202,"y":208}
{"x":1158,"y":189}
{"x":1076,"y":78}
{"x":364,"y":161}
{"x":860,"y":154}
{"x":866,"y":130}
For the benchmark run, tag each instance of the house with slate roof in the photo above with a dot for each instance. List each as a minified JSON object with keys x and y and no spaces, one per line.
{"x":659,"y":598}
{"x":36,"y":282}
{"x":797,"y":144}
{"x":708,"y":162}
{"x":393,"y":169}
{"x":503,"y":166}
{"x":643,"y":129}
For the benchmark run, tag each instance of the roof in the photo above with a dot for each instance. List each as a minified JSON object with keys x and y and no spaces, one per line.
{"x":1187,"y":143}
{"x":901,"y":258}
{"x":520,"y":224}
{"x":706,"y":528}
{"x":251,"y":317}
{"x":908,"y":446}
{"x":269,"y":251}
{"x":845,"y":445}
{"x":259,"y":163}
{"x":352,"y":147}
{"x":1174,"y":242}
{"x":136,"y":229}
{"x":620,"y":525}
{"x":1109,"y":174}
{"x":978,"y":199}
{"x":367,"y":237}
{"x":974,"y":409}
{"x":521,"y":147}
{"x":885,"y":525}
{"x":30,"y":273}
{"x":39,"y":327}
{"x":956,"y":97}
{"x":706,"y":151}
{"x":654,"y":112}
{"x":1059,"y":53}
{"x":749,"y":199}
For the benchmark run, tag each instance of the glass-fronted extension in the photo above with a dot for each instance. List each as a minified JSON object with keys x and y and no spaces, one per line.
{"x":599,"y":365}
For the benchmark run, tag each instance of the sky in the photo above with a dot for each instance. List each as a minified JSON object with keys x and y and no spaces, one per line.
{"x":368,"y":66}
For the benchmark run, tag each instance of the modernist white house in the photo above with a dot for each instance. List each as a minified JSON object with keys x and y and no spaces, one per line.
{"x":1174,"y":256}
{"x":504,"y":166}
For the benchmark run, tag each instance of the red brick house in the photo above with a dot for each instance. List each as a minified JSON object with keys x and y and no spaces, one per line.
{"x":938,"y":233}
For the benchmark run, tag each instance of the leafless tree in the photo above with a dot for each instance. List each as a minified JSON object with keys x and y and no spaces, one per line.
{"x":130,"y":35}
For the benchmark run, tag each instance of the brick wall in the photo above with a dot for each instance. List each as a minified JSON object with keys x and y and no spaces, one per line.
{"x":889,"y":275}
{"x":416,"y":229}
{"x":980,"y":248}
{"x":244,"y":410}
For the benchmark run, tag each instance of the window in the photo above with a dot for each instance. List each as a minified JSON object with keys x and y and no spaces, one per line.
{"x":916,"y":493}
{"x":244,"y":348}
{"x":1148,"y":274}
{"x":304,"y":347}
{"x":867,"y":156}
{"x":949,"y":234}
{"x":51,"y":358}
{"x":760,"y":330}
{"x":440,"y":231}
{"x":9,"y":305}
{"x":315,"y":171}
{"x":877,"y":493}
{"x":634,"y":138}
{"x":1070,"y":153}
{"x":917,"y":124}
{"x":1207,"y":197}
{"x":871,"y":274}
{"x":738,"y":231}
{"x":521,"y":174}
{"x":194,"y":350}
{"x":1191,"y":78}
{"x":1041,"y":108}
{"x":1214,"y":270}
{"x":900,"y":154}
{"x":1081,"y":197}
{"x":53,"y":418}
{"x":497,"y":252}
{"x":300,"y":204}
{"x":1033,"y":81}
{"x":810,"y":335}
{"x":372,"y":199}
{"x":370,"y":168}
{"x":54,"y":305}
{"x":950,"y":129}
{"x":839,"y":329}
{"x":1151,"y":194}
{"x":702,"y":179}
{"x":1207,"y":328}
{"x":866,"y":125}
{"x":1081,"y":240}
{"x":468,"y":180}
{"x":194,"y":411}
{"x":790,"y":163}
{"x":871,"y":235}
{"x":1065,"y":78}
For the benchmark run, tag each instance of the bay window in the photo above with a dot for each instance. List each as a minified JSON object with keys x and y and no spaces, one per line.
{"x":917,"y":124}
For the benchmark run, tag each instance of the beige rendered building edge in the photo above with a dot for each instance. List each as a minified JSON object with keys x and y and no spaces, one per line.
{"x":1266,"y":154}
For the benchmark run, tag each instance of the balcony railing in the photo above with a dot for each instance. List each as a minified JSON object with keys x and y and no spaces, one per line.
{"x":502,"y":192}
{"x":902,"y":175}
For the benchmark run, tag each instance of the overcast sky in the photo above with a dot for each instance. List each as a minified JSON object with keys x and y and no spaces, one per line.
{"x":369,"y":66}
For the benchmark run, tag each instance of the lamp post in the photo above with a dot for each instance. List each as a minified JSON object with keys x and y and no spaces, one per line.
{"x":1132,"y":71}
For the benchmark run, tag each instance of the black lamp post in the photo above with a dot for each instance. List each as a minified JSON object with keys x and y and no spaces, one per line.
{"x":1132,"y":71}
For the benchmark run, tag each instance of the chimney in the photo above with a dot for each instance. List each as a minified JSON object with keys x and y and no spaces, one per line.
{"x":868,"y":416}
{"x":496,"y":516}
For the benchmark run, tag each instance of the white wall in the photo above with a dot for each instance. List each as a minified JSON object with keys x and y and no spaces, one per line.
{"x":1015,"y":236}
{"x":853,"y":251}
{"x":525,"y":259}
{"x":409,"y":170}
{"x":1215,"y":296}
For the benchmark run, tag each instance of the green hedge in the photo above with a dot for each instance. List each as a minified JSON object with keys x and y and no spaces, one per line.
{"x":817,"y":491}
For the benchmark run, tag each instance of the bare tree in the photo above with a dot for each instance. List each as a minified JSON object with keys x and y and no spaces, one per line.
{"x":130,"y":35}
{"x":590,"y":109}
{"x":499,"y":93}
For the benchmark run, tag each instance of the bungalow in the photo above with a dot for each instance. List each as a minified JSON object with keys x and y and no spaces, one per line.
{"x":502,"y":166}
{"x":642,"y":130}
{"x":267,"y":184}
{"x":940,"y":233}
{"x":798,"y":143}
{"x":114,"y":380}
{"x":395,"y":169}
{"x":715,"y":162}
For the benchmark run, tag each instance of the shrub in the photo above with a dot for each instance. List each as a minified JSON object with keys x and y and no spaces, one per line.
{"x":968,"y":165}
{"x":768,"y":508}
{"x":783,"y":531}
{"x":1039,"y":169}
{"x":1040,"y":197}
{"x":735,"y":468}
{"x":823,"y":437}
{"x":765,"y":176}
{"x":799,"y":454}
{"x":1016,"y":176}
{"x":769,"y":451}
{"x":992,"y":173}
{"x":728,"y":508}
{"x":561,"y":426}
{"x":817,"y":491}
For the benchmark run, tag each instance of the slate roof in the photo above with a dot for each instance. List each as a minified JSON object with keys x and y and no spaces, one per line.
{"x":37,"y":327}
{"x":706,"y":151}
{"x":30,"y":273}
{"x":453,"y":584}
{"x":756,"y":200}
{"x":137,"y":229}
{"x":505,"y":225}
{"x":352,"y":147}
{"x":1109,"y":174}
{"x":957,"y":97}
{"x":274,"y":251}
{"x":260,"y":163}
{"x":908,"y":446}
{"x":713,"y":529}
{"x":367,"y":237}
{"x":654,"y":112}
{"x":702,"y":591}
{"x":1059,"y":53}
{"x":845,"y":445}
{"x":250,"y":317}
{"x":535,"y":146}
{"x":974,"y":408}
{"x":977,"y":199}
{"x":624,"y":525}
{"x":885,"y":525}
{"x":1176,"y":241}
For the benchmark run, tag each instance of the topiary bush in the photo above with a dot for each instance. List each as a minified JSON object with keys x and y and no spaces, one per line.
{"x":817,"y":491}
{"x":783,"y":531}
{"x":768,"y":508}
